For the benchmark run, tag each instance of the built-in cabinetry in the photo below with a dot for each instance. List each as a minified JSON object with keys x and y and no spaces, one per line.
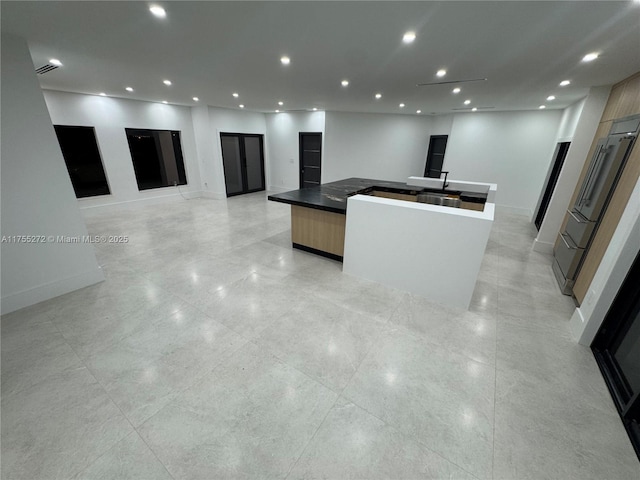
{"x":624,"y":100}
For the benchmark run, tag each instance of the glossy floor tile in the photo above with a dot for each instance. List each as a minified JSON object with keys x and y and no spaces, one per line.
{"x":215,"y":351}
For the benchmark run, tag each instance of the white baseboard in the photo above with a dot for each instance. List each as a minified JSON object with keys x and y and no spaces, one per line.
{"x":214,"y":195}
{"x":542,"y":247}
{"x":576,"y":325}
{"x":26,"y":298}
{"x":93,"y":204}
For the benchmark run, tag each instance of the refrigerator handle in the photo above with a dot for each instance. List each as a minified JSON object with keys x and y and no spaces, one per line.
{"x":592,"y":180}
{"x":596,"y":159}
{"x":564,"y":240}
{"x":576,"y":218}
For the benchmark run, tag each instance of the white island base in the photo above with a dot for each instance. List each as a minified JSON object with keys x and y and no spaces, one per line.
{"x":429,"y":250}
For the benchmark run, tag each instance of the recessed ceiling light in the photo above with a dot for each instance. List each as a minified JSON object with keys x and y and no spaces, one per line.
{"x":551,"y":97}
{"x":564,"y":83}
{"x":277,"y":111}
{"x":129,"y":89}
{"x":196,"y":99}
{"x":56,"y":62}
{"x":409,"y":37}
{"x":285,"y":60}
{"x":345,"y":83}
{"x":167,"y":82}
{"x":418,"y":111}
{"x":165,"y":102}
{"x":474,"y":109}
{"x":315,"y":109}
{"x":590,"y":57}
{"x":235,"y":95}
{"x":542,"y":107}
{"x":456,"y":90}
{"x":378,"y":96}
{"x":441,"y":73}
{"x":401,"y":105}
{"x":241,"y":105}
{"x":102,"y":94}
{"x":158,"y":11}
{"x":467,"y":102}
{"x":280,"y":103}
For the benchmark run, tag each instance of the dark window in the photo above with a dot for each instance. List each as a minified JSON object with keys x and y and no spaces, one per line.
{"x":82,"y":157}
{"x":157,"y":158}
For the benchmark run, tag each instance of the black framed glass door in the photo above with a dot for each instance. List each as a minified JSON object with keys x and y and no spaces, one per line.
{"x":310,"y":158}
{"x":617,"y":351}
{"x":243,"y":161}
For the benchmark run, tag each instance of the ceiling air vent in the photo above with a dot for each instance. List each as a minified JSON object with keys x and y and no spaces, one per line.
{"x":45,"y":69}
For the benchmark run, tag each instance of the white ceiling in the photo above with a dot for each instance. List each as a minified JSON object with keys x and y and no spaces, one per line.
{"x":211,"y":49}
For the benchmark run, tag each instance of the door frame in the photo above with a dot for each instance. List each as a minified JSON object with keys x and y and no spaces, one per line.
{"x":617,"y":322}
{"x":430,"y":151}
{"x":243,"y":162}
{"x":560,"y":154}
{"x":300,"y":134}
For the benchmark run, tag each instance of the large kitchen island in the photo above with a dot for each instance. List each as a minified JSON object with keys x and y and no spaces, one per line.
{"x":417,"y":236}
{"x":318,"y":214}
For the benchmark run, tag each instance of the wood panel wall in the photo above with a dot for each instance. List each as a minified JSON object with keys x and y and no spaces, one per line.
{"x":624,"y":100}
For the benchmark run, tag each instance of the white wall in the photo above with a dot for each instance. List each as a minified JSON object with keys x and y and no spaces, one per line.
{"x":378,"y":146}
{"x":512,"y":149}
{"x":569,"y":121}
{"x":284,"y":156}
{"x":37,"y":196}
{"x":573,"y":163}
{"x":223,"y":120}
{"x":110,"y":117}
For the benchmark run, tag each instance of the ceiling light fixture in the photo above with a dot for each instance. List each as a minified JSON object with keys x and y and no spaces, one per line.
{"x":235,"y":95}
{"x":277,"y":111}
{"x":315,"y":109}
{"x":542,"y":107}
{"x":378,"y":96}
{"x":196,"y":99}
{"x":474,"y":109}
{"x":158,"y":11}
{"x":102,"y":94}
{"x":467,"y":102}
{"x":418,"y":111}
{"x":241,"y":105}
{"x":564,"y":83}
{"x":409,"y":37}
{"x":456,"y":90}
{"x":281,"y":103}
{"x":401,"y":105}
{"x":551,"y":97}
{"x":167,"y":82}
{"x":590,"y":57}
{"x":345,"y":83}
{"x":285,"y":60}
{"x":441,"y":73}
{"x":129,"y":89}
{"x":56,"y":62}
{"x":165,"y":102}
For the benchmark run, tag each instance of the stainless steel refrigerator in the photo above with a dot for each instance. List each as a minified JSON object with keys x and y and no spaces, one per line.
{"x":584,"y":216}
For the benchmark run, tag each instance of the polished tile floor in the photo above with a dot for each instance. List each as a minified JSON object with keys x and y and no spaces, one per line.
{"x":213,"y":350}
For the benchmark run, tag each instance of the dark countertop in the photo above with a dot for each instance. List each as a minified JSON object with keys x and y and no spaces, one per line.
{"x":332,"y":197}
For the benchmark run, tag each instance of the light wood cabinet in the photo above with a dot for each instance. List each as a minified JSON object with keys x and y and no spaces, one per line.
{"x":624,"y":99}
